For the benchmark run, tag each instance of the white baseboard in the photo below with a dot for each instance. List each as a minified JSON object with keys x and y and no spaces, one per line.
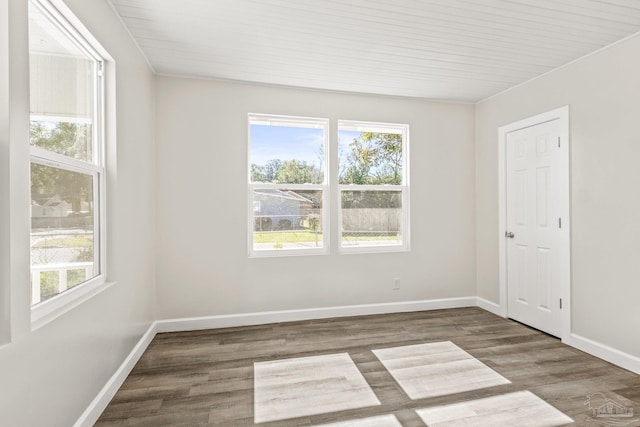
{"x":90,"y":416}
{"x":490,"y":306}
{"x":97,"y":406}
{"x":262,"y":318}
{"x":602,"y":351}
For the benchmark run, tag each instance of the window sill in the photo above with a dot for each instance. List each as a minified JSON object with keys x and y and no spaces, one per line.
{"x":374,"y":249}
{"x":47,"y":311}
{"x":287,"y":253}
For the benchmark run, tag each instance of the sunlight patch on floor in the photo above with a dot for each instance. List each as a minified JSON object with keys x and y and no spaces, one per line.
{"x":437,"y":369}
{"x":306,"y":386}
{"x":522,"y":409}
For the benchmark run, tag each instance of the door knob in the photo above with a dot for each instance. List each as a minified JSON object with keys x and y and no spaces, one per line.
{"x":509,"y":234}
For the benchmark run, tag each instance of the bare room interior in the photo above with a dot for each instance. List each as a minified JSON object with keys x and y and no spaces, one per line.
{"x":319,"y":213}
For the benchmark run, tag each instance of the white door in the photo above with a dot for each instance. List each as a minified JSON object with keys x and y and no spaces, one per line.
{"x":534,"y":226}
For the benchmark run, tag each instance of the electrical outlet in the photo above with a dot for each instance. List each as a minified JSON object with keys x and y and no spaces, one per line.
{"x":396,"y":283}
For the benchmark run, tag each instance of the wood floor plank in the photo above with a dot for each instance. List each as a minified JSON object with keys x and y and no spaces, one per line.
{"x":206,"y":378}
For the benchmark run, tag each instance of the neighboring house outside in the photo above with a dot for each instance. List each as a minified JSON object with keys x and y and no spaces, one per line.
{"x":52,"y":207}
{"x":280,"y":210}
{"x":54,"y":212}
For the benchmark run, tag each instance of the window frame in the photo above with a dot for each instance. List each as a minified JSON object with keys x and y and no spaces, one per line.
{"x":297,"y":121}
{"x":45,"y":311}
{"x":381,"y":127}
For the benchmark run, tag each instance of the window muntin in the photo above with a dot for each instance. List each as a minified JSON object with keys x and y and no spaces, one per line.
{"x":372,"y":177}
{"x":67,"y":171}
{"x":287,"y":185}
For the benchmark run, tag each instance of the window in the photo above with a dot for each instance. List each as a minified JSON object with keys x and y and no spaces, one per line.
{"x":372,"y":178}
{"x":287,"y":185}
{"x":67,"y":164}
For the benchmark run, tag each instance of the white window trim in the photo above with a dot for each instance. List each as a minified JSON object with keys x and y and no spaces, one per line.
{"x":291,"y":121}
{"x":5,"y":193}
{"x":48,"y":310}
{"x":364,"y":126}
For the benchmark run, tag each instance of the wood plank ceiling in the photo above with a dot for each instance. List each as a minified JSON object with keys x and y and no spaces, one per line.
{"x":459,"y":50}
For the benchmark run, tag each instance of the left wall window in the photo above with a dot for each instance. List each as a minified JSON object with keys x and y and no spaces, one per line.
{"x":67,"y":157}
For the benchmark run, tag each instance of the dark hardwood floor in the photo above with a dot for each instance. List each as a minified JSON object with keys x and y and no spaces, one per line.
{"x":204,"y":378}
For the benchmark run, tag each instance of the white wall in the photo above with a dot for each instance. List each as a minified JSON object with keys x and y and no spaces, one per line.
{"x":5,"y":161}
{"x":203,"y":267}
{"x":49,"y":376}
{"x":192,"y":207}
{"x":603,"y":92}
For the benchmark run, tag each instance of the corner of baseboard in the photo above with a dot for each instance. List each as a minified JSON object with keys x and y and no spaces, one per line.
{"x":602,"y":351}
{"x":605,"y":352}
{"x":90,"y":416}
{"x":490,"y":306}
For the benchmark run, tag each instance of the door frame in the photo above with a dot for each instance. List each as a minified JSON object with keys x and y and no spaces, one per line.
{"x":564,"y":186}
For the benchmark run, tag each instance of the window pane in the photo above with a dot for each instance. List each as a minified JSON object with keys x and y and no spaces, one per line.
{"x":370,"y":158}
{"x":287,"y":219}
{"x":371,"y":218}
{"x":63,"y":240}
{"x":286,"y":153}
{"x":66,"y":138}
{"x":62,"y":87}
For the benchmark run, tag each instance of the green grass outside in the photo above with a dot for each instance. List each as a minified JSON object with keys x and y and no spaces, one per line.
{"x":359,"y":237}
{"x":78,"y":241}
{"x":286,"y":237}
